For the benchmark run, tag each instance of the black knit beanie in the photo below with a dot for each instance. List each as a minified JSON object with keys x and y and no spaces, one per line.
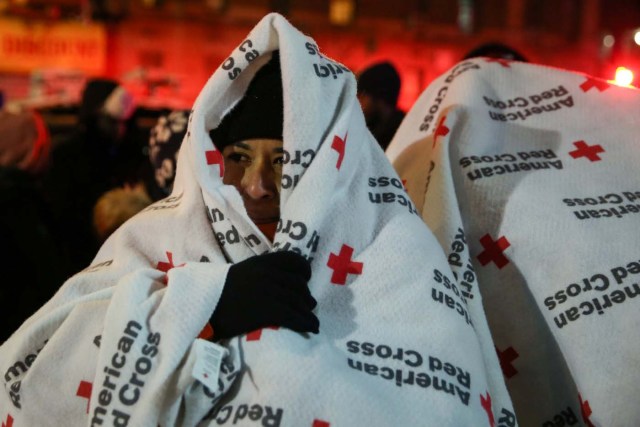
{"x":495,"y":50}
{"x":260,"y":113}
{"x":381,"y":81}
{"x":94,"y":95}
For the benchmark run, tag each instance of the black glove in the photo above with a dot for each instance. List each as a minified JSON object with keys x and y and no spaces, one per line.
{"x":266,"y":290}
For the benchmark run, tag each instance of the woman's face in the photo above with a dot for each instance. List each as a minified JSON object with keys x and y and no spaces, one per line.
{"x":254,"y":167}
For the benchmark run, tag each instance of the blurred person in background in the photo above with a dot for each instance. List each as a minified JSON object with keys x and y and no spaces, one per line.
{"x":28,"y":249}
{"x":117,"y":205}
{"x":378,"y":91}
{"x":164,"y":144}
{"x":100,"y":155}
{"x":495,"y":50}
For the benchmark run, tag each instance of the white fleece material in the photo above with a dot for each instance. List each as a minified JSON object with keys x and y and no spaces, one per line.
{"x":399,"y":344}
{"x":536,"y":169}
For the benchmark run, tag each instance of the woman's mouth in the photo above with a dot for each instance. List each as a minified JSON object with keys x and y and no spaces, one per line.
{"x":263,"y":216}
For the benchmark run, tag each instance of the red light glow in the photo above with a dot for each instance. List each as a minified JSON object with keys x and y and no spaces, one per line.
{"x":624,"y":76}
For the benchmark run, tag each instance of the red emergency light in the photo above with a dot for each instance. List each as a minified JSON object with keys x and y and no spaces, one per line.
{"x":623,"y":77}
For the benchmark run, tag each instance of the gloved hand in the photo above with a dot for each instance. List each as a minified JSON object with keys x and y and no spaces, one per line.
{"x":266,"y":290}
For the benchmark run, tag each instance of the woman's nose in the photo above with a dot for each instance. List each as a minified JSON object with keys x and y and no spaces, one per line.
{"x":258,"y":182}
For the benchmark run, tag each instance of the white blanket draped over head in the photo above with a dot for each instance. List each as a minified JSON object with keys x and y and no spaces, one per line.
{"x":537,"y":168}
{"x":399,"y":343}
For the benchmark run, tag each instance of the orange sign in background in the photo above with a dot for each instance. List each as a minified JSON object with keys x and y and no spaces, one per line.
{"x":26,"y":47}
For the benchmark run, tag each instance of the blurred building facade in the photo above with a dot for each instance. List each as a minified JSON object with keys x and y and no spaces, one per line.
{"x":164,"y":50}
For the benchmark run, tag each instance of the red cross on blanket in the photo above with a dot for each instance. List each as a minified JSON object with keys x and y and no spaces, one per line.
{"x":589,"y":151}
{"x":494,"y":251}
{"x":486,"y":405}
{"x":84,"y":390}
{"x":441,"y":130}
{"x":585,"y":408}
{"x":592,"y":82}
{"x":257,"y":334}
{"x":339,"y":144}
{"x":501,"y":61}
{"x":506,"y":357}
{"x":343,"y":265}
{"x":214,"y":157}
{"x":9,"y":422}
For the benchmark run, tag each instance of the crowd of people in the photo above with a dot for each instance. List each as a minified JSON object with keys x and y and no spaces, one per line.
{"x":231,"y":232}
{"x":304,"y":248}
{"x":75,"y":189}
{"x":65,"y":194}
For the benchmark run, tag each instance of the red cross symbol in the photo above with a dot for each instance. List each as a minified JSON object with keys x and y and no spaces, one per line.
{"x":591,"y":82}
{"x":441,"y":130}
{"x":589,"y":151}
{"x":486,"y":405}
{"x":506,"y":357}
{"x":342,"y":265}
{"x":206,"y":332}
{"x":493,"y":251}
{"x":214,"y":157}
{"x":585,"y":408}
{"x":9,"y":421}
{"x":501,"y":61}
{"x":84,"y":390}
{"x":320,"y":423}
{"x":338,"y":144}
{"x":166,"y":266}
{"x":257,"y":334}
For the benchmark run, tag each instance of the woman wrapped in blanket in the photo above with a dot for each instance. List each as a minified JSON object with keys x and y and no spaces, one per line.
{"x":277,"y":177}
{"x":250,"y":139}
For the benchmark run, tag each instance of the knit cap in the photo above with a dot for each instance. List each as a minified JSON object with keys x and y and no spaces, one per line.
{"x":381,"y":81}
{"x":260,"y":113}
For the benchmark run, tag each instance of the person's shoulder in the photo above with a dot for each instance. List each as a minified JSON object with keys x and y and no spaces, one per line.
{"x":398,"y":115}
{"x":14,"y":185}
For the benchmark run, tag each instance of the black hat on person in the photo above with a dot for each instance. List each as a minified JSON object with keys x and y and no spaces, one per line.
{"x":495,"y":50}
{"x":259,"y":114}
{"x":380,"y":81}
{"x":94,"y":95}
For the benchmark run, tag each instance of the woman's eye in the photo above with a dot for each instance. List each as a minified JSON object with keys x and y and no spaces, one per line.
{"x":239,"y":158}
{"x":278,"y":161}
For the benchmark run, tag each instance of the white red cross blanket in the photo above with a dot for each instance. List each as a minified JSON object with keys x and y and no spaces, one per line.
{"x":398,"y":343}
{"x":528,"y":177}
